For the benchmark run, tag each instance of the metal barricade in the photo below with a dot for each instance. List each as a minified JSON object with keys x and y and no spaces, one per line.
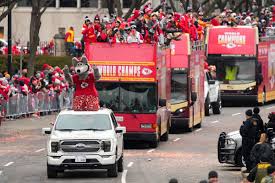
{"x":40,"y":101}
{"x":20,"y":104}
{"x":23,"y":107}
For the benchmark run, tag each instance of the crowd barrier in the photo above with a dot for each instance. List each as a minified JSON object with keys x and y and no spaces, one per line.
{"x":41,"y":102}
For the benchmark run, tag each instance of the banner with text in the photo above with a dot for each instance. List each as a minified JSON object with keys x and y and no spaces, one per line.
{"x":232,"y":41}
{"x":135,"y":72}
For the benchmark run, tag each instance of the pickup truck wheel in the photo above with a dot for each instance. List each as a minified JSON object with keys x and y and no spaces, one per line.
{"x":113,"y":172}
{"x":217,"y":106}
{"x":51,"y":172}
{"x":207,"y":106}
{"x":120,"y":164}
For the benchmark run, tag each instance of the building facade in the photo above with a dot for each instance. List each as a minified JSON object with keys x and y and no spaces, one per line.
{"x":60,"y":14}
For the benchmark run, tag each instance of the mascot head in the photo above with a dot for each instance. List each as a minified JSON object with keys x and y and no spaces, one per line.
{"x":81,"y":66}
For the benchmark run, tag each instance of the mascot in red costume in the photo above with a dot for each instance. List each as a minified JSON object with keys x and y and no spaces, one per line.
{"x":85,"y":96}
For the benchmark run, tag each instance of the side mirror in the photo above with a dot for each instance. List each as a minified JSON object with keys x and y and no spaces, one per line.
{"x":194,"y":97}
{"x":211,"y":82}
{"x":162,"y":102}
{"x":46,"y":131}
{"x":121,"y":129}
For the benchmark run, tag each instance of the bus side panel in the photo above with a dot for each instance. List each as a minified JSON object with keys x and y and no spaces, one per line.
{"x":263,"y":59}
{"x":197,"y":85}
{"x":269,"y":76}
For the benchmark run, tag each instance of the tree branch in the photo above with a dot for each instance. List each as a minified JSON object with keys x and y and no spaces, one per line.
{"x":44,"y":5}
{"x":5,"y":13}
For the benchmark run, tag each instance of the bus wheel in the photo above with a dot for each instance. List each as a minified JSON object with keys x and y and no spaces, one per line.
{"x":165,"y":136}
{"x":207,"y":106}
{"x":190,"y":129}
{"x":154,"y":144}
{"x":264,"y":98}
{"x":199,"y":125}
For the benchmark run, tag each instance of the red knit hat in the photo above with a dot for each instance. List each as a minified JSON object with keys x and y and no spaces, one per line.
{"x":45,"y":66}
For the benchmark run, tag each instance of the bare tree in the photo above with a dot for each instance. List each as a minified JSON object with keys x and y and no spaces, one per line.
{"x":7,"y":6}
{"x":111,"y":7}
{"x":118,"y":7}
{"x":173,"y":5}
{"x":136,"y":4}
{"x":38,"y":8}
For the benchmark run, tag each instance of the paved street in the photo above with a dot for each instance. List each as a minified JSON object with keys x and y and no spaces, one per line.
{"x":188,"y":156}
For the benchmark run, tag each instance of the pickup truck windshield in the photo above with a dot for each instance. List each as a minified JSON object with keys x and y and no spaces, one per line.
{"x":74,"y":122}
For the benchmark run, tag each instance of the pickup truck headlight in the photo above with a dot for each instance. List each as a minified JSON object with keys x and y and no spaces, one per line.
{"x":106,"y":146}
{"x":230,"y":141}
{"x":55,"y":146}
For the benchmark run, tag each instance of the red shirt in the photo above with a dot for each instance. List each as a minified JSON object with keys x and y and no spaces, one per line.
{"x":85,"y":87}
{"x":25,"y":80}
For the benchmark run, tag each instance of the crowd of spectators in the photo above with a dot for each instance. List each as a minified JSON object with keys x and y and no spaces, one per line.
{"x":49,"y":81}
{"x":149,"y":25}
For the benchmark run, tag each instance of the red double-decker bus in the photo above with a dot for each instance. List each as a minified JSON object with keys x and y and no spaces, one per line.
{"x":186,"y":63}
{"x":134,"y":84}
{"x":242,"y":63}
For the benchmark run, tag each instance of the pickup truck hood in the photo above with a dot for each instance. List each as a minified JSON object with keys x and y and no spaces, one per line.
{"x":234,"y":134}
{"x":85,"y":134}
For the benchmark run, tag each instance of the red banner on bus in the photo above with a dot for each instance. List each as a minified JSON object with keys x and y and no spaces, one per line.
{"x":232,"y":40}
{"x":127,"y":72}
{"x":124,"y":62}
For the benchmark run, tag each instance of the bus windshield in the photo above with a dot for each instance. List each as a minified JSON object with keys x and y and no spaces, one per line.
{"x":178,"y":86}
{"x":128,"y":97}
{"x":236,"y":71}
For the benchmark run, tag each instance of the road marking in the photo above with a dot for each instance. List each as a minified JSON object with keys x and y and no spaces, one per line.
{"x":177,"y":139}
{"x":236,"y":114}
{"x":152,"y":150}
{"x":130,"y":164}
{"x":39,"y":150}
{"x":214,"y":122}
{"x":270,"y":107}
{"x":8,"y":164}
{"x":123,"y":177}
{"x":1,"y":172}
{"x":198,"y":130}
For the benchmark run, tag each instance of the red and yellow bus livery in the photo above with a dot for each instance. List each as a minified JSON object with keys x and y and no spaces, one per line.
{"x":134,"y":80}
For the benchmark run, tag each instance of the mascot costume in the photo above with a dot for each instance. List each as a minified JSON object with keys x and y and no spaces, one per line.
{"x":85,"y":96}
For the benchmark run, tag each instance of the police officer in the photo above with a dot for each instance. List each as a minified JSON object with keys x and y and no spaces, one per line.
{"x":260,"y":123}
{"x":248,"y":131}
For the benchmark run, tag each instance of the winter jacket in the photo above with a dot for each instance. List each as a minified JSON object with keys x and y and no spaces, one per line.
{"x":259,"y":151}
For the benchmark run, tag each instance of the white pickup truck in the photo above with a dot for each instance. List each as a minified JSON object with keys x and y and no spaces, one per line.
{"x":85,"y":140}
{"x":212,"y":95}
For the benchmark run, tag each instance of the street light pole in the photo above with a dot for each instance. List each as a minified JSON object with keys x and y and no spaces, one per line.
{"x":9,"y":42}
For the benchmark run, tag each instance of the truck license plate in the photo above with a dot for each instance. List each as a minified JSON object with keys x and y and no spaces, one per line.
{"x":80,"y":159}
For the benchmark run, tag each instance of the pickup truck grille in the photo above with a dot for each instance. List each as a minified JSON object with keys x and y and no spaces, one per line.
{"x":80,"y":146}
